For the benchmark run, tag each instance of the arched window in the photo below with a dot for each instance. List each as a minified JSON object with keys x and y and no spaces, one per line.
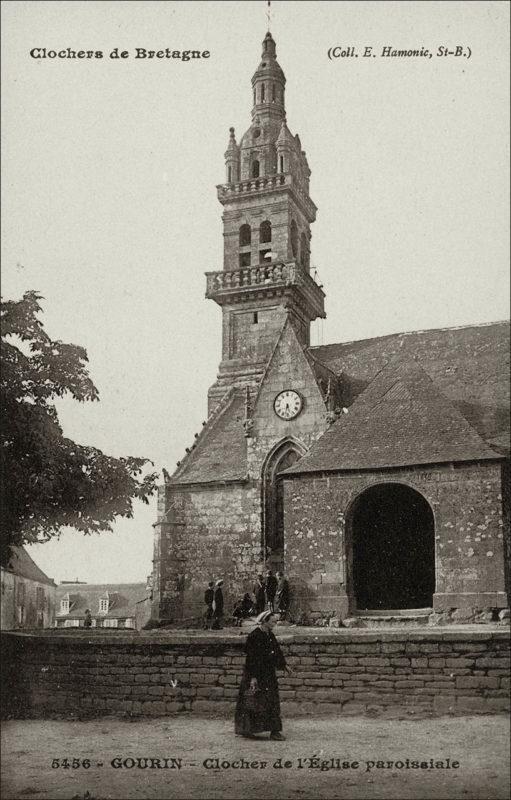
{"x":262,"y":93}
{"x":265,"y":232}
{"x":294,"y":238}
{"x":282,"y":457}
{"x":255,"y":99}
{"x":255,"y":168}
{"x":229,"y":174}
{"x":281,"y":163}
{"x":245,"y":235}
{"x":273,"y":92}
{"x":304,"y":251}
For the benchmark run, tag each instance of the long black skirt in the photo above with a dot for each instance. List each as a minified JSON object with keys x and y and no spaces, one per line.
{"x":259,"y":711}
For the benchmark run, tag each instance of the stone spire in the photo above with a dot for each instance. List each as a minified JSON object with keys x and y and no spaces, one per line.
{"x":232,"y":159}
{"x":268,"y":84}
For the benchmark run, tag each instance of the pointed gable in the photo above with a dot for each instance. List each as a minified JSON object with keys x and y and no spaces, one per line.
{"x":468,"y":364}
{"x":399,"y":420}
{"x":288,"y":368}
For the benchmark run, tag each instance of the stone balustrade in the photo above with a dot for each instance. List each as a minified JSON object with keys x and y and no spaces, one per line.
{"x":260,"y":276}
{"x":253,"y":185}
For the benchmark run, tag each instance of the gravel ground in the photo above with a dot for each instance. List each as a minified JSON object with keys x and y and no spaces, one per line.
{"x":480,"y":745}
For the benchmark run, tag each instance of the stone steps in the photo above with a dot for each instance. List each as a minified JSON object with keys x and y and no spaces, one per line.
{"x":398,"y":618}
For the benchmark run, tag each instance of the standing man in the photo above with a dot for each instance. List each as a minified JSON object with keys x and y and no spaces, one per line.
{"x":282,"y":595}
{"x":260,"y":594}
{"x":218,"y":605}
{"x":271,"y":589}
{"x":209,"y":595}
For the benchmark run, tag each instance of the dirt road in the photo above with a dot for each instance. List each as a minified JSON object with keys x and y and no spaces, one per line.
{"x":321,"y":759}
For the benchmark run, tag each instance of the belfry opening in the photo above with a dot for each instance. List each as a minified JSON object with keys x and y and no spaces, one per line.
{"x":393,"y":549}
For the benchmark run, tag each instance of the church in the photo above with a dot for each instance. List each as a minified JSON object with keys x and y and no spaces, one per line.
{"x":374,"y":473}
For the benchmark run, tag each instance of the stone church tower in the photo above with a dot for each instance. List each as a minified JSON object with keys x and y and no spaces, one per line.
{"x":267,"y":217}
{"x":221,"y":513}
{"x":374,"y":472}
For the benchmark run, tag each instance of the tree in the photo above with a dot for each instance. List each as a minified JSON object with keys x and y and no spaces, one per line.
{"x":49,"y":481}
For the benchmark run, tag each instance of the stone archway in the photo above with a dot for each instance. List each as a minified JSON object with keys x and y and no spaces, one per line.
{"x":284,"y":455}
{"x":393,"y":549}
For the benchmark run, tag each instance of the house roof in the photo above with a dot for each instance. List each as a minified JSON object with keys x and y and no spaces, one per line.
{"x":469,"y":365}
{"x":400,"y":419}
{"x":123,"y":598}
{"x":220,"y":451}
{"x":20,"y":563}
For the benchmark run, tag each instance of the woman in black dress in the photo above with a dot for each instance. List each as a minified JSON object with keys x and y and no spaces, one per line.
{"x":258,"y":706}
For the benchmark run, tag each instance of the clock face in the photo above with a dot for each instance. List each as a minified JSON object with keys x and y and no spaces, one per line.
{"x":288,"y":404}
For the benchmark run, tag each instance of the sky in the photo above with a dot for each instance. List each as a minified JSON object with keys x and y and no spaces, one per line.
{"x":110,"y":209}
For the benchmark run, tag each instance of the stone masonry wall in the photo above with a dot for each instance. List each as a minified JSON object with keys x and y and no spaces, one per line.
{"x":216,"y":534}
{"x":343,"y":672}
{"x":215,"y":531}
{"x":467,"y":504}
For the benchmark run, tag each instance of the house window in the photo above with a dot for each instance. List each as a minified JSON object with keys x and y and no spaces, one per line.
{"x":244,"y":259}
{"x":103,"y":605}
{"x":39,"y":597}
{"x":64,"y":605}
{"x":109,"y":623}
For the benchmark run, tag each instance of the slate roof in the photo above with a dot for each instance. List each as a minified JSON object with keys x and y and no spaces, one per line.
{"x":123,"y":599}
{"x":220,"y":451}
{"x":469,"y":365}
{"x":399,"y":420}
{"x":468,"y":368}
{"x":22,"y":564}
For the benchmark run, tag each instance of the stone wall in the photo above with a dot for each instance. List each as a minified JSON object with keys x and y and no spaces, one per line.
{"x":26,"y":603}
{"x":341,"y":672}
{"x":466,"y":500}
{"x":214,"y":533}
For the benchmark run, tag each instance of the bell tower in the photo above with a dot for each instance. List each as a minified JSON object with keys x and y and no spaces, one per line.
{"x":266,"y":226}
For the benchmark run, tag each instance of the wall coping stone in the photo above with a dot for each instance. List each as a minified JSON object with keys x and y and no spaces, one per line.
{"x":149,"y":640}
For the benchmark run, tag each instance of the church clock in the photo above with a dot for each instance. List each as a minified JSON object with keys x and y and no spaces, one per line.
{"x":288,"y":404}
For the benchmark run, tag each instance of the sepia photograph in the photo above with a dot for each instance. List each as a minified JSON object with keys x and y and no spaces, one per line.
{"x":255,"y":400}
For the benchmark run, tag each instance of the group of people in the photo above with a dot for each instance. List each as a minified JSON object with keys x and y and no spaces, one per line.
{"x":270,"y":593}
{"x":214,"y":600}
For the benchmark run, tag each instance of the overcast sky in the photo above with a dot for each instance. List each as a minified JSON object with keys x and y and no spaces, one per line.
{"x":110,"y":209}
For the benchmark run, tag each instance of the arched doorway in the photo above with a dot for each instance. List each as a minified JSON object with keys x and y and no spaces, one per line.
{"x":393,"y":548}
{"x":283,"y":456}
